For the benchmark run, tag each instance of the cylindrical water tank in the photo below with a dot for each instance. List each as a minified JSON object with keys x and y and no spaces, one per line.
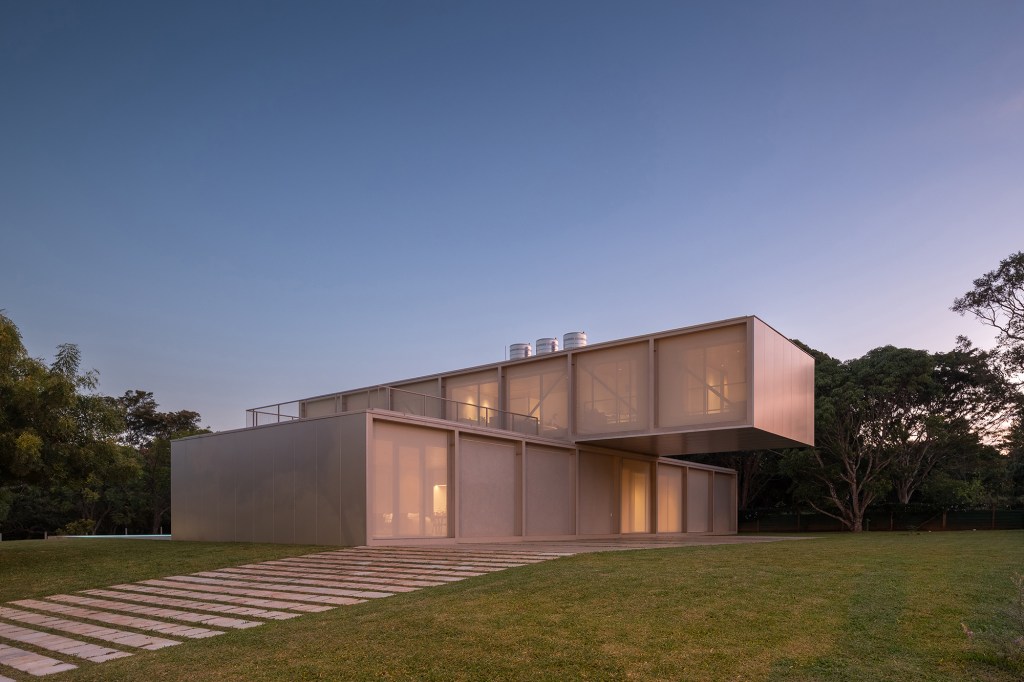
{"x":518,"y":351}
{"x":547,"y":345}
{"x":574,"y":340}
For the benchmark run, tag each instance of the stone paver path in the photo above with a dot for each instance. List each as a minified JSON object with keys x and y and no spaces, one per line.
{"x":209,"y":603}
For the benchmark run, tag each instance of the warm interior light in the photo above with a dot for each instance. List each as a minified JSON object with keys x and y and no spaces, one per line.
{"x":440,"y":499}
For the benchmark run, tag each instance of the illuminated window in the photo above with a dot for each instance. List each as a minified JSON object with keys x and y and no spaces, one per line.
{"x":611,"y":389}
{"x":702,"y":377}
{"x":476,"y":396}
{"x":636,"y":484}
{"x":541,"y":390}
{"x":670,"y":499}
{"x":410,"y":481}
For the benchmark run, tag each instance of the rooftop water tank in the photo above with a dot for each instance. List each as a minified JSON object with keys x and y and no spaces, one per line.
{"x":518,"y":351}
{"x":574,"y":340}
{"x":547,"y":345}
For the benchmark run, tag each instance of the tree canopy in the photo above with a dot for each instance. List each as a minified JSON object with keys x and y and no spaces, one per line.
{"x":997,"y":299}
{"x":73,"y":459}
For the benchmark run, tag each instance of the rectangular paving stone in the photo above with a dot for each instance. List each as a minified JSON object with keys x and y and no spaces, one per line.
{"x":331,"y":573}
{"x":402,"y":561}
{"x":180,"y":590}
{"x":453,"y":558}
{"x":387,"y":570}
{"x":133,"y":639}
{"x":456,"y":557}
{"x":32,"y":663}
{"x":118,"y":619}
{"x":60,"y":644}
{"x":173,"y":614}
{"x":369,"y":559}
{"x":194,"y":604}
{"x":289,"y":587}
{"x":173,"y":582}
{"x":249,"y":574}
{"x":341,"y":565}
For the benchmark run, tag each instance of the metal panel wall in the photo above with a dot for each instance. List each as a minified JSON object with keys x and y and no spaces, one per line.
{"x":550,"y":491}
{"x":266,"y":449}
{"x":698,"y":488}
{"x":324,"y":407}
{"x":301,"y":481}
{"x":240,"y":459}
{"x":598,"y":494}
{"x":489,"y":490}
{"x":783,"y":386}
{"x":348,"y":508}
{"x":306,"y":493}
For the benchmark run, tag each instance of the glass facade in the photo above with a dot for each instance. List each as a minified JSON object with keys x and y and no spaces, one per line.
{"x":541,"y":390}
{"x":635,"y":496}
{"x":670,"y":499}
{"x":410,"y":482}
{"x":478,"y":397}
{"x":702,"y":377}
{"x":611,"y":389}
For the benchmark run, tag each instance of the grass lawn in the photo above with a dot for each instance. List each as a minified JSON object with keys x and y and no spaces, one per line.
{"x":882,"y":606}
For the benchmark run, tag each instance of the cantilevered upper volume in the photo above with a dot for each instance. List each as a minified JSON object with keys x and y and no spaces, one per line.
{"x":731,"y":385}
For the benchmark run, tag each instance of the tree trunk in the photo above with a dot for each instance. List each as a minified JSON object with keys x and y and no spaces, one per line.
{"x":858,"y":523}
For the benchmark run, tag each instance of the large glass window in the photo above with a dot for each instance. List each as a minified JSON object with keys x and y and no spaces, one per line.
{"x":702,"y":377}
{"x":611,"y":389}
{"x":477,"y":397}
{"x":636,"y":487}
{"x":541,"y":390}
{"x":670,"y":499}
{"x":410,"y":481}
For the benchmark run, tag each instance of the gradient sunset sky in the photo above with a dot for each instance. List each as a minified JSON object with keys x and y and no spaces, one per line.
{"x":237,"y":203}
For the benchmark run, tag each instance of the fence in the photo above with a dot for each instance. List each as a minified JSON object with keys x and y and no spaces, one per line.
{"x":774,"y":521}
{"x":406,"y":402}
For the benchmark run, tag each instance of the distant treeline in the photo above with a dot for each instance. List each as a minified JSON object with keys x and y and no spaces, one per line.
{"x":75,"y":461}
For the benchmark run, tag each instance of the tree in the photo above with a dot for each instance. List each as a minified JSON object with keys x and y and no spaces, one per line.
{"x":26,"y":395}
{"x":72,"y":458}
{"x":57,"y":435}
{"x":149,"y":432}
{"x":959,"y":401}
{"x":997,"y":299}
{"x":887,"y":421}
{"x":847,"y":471}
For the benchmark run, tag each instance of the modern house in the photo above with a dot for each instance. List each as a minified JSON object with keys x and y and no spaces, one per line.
{"x":581,"y":442}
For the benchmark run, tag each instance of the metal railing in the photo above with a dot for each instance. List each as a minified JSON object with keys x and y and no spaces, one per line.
{"x":405,"y":402}
{"x":272,"y":414}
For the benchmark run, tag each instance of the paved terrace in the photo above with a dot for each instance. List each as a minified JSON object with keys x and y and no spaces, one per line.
{"x":61,"y":632}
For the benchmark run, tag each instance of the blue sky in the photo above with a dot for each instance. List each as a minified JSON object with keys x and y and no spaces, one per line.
{"x":235,"y":203}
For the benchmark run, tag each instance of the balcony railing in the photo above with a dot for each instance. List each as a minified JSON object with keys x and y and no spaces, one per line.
{"x":399,"y":400}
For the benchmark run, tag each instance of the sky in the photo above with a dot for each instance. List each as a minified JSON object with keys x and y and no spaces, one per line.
{"x":232,"y":204}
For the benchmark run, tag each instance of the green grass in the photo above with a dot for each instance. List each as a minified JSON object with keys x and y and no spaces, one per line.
{"x":39,"y":568}
{"x":883,"y":606}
